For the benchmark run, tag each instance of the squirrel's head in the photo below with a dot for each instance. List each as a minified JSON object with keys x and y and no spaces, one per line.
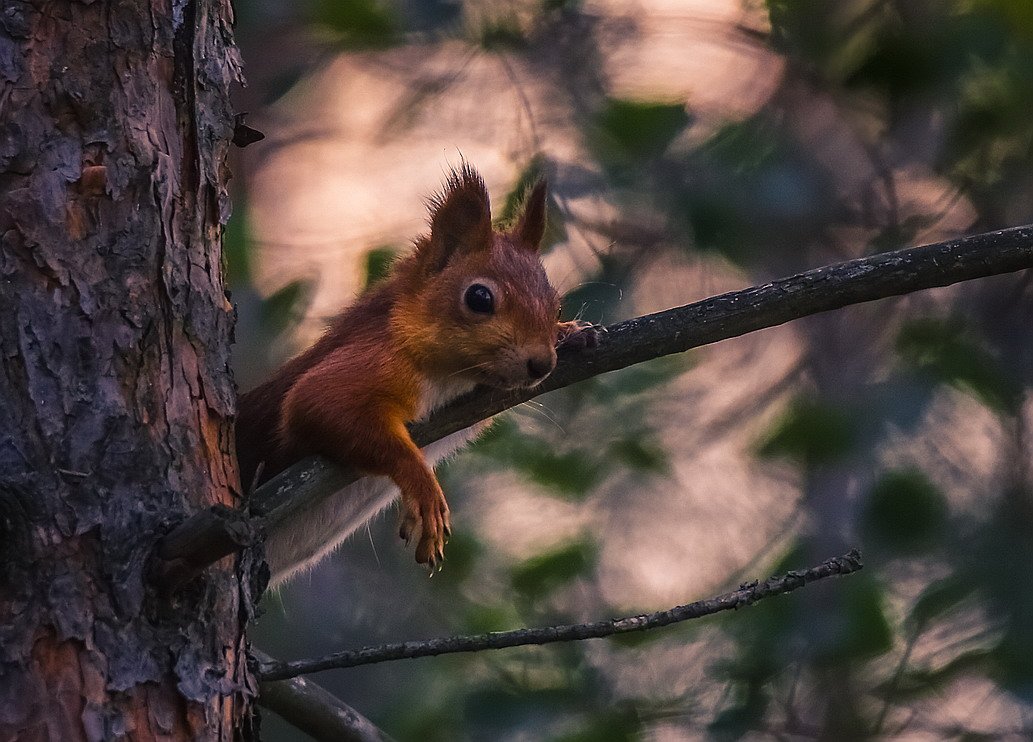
{"x":476,"y":304}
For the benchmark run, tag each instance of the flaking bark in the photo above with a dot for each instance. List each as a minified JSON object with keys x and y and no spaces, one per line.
{"x":116,"y":400}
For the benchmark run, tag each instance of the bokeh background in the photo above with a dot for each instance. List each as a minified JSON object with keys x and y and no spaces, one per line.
{"x":692,"y":147}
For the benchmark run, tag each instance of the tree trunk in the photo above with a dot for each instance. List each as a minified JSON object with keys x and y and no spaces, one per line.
{"x":116,"y":400}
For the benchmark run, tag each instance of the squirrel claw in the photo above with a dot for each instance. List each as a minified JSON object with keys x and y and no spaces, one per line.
{"x":578,"y":334}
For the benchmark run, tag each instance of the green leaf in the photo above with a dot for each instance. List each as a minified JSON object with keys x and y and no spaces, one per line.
{"x":592,"y":301}
{"x":945,"y":350}
{"x":905,"y":511}
{"x":763,"y":631}
{"x":641,"y":454}
{"x":902,"y":232}
{"x":857,"y":629}
{"x":811,"y":433}
{"x":378,"y":264}
{"x":939,"y":598}
{"x":427,"y":721}
{"x":497,"y":709}
{"x":1012,"y":659}
{"x":735,"y":722}
{"x":571,"y":5}
{"x":361,"y":23}
{"x":461,"y":557}
{"x":481,"y":619}
{"x":717,"y":224}
{"x":632,"y":131}
{"x":498,"y":434}
{"x":746,"y":146}
{"x":898,"y":63}
{"x":645,"y":377}
{"x":609,"y":725}
{"x":542,"y":574}
{"x":920,"y":682}
{"x":1016,"y":14}
{"x":286,"y":306}
{"x":754,"y":193}
{"x":570,"y":474}
{"x":502,"y":34}
{"x":236,"y":246}
{"x":636,"y":639}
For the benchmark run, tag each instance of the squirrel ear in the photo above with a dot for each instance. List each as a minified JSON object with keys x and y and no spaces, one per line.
{"x":460,"y":219}
{"x":530,"y":227}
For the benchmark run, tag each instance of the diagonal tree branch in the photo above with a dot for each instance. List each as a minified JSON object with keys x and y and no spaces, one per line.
{"x":315,"y":711}
{"x":747,"y":594}
{"x":209,"y":535}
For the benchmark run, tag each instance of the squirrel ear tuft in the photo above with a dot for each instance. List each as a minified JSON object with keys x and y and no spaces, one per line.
{"x":530,"y":227}
{"x":460,"y":219}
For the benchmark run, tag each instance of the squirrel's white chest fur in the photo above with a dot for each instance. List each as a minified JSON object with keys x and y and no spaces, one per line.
{"x":307,"y":538}
{"x":437,"y":394}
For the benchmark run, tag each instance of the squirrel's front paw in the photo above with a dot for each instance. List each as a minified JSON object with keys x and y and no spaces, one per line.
{"x":426,"y":513}
{"x":578,"y":334}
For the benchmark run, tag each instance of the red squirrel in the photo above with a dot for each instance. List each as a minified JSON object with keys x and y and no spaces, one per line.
{"x":470,"y":305}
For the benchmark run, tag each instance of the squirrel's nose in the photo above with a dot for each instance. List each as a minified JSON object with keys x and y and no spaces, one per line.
{"x":538,"y":367}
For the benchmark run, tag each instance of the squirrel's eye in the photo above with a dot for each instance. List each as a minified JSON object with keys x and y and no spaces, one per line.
{"x":480,"y":299}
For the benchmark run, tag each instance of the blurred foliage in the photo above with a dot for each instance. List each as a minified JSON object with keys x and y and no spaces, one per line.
{"x":570,"y":474}
{"x":630,"y":133}
{"x":811,"y":433}
{"x":261,"y":319}
{"x":874,"y":427}
{"x":502,"y":34}
{"x":596,"y":300}
{"x":750,"y":193}
{"x":358,"y":23}
{"x":905,"y":511}
{"x":945,"y":350}
{"x":378,"y":264}
{"x":283,"y":308}
{"x":543,"y":573}
{"x":555,"y":231}
{"x":236,"y":244}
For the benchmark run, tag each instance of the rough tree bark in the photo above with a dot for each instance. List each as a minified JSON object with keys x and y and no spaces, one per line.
{"x":116,"y":400}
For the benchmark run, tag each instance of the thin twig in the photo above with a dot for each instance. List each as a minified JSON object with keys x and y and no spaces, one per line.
{"x":747,"y":594}
{"x":200,"y":540}
{"x":315,"y":711}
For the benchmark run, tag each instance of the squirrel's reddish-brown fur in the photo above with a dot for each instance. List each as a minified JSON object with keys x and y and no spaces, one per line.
{"x":407,"y":346}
